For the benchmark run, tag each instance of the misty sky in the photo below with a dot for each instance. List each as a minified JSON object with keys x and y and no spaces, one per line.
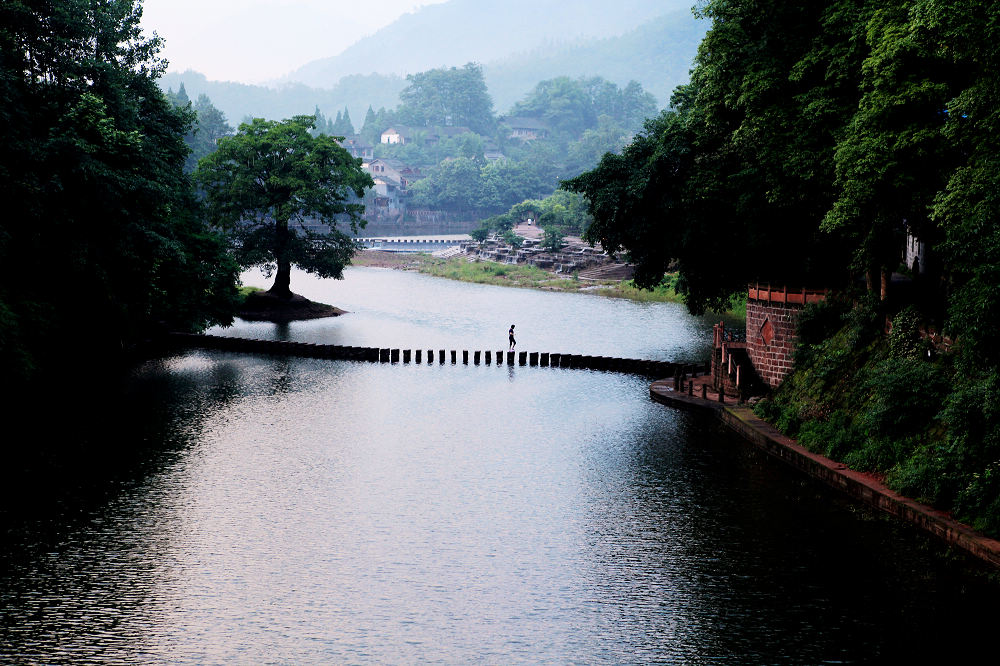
{"x":253,"y":41}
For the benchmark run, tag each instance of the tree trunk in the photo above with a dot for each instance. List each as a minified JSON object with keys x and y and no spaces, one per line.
{"x":283,"y":278}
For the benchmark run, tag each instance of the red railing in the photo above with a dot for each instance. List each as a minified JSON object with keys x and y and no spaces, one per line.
{"x":769,"y":294}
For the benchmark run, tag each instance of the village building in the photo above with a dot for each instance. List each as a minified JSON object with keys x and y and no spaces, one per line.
{"x":526,"y":129}
{"x":392,"y":183}
{"x":396,"y":135}
{"x":399,"y":134}
{"x":358,"y":147}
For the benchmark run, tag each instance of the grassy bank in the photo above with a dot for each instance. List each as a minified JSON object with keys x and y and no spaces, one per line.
{"x":510,"y":275}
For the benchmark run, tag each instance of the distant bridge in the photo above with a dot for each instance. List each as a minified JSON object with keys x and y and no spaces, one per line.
{"x":413,"y":243}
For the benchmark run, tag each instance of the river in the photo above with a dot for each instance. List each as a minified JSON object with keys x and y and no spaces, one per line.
{"x":253,"y":509}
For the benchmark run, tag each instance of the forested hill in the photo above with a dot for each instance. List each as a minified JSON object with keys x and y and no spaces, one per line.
{"x":657,"y":54}
{"x":238,"y":100}
{"x":459,"y":31}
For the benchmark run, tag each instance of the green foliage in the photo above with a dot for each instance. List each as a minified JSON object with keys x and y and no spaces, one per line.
{"x":563,"y":210}
{"x":573,"y":106}
{"x":209,"y":126}
{"x":340,"y":126}
{"x":663,"y":293}
{"x":265,"y":184}
{"x":91,"y":175}
{"x":512,"y":239}
{"x":452,"y":96}
{"x":904,"y":340}
{"x":464,"y":185}
{"x":480,"y":233}
{"x":820,"y":321}
{"x":552,"y":239}
{"x":972,"y":457}
{"x":902,"y":395}
{"x":739,"y":169}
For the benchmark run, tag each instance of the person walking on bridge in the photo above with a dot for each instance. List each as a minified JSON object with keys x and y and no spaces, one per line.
{"x":510,"y":335}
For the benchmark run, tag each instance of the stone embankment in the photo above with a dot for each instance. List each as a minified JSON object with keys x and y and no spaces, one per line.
{"x":697,"y":393}
{"x":576,"y":256}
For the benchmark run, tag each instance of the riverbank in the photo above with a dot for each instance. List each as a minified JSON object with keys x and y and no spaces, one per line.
{"x":866,"y":488}
{"x":521,"y":276}
{"x":261,"y":305}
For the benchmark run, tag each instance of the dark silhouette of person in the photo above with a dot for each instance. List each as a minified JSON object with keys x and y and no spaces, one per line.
{"x":510,"y":334}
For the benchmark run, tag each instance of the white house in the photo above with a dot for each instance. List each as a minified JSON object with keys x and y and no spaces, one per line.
{"x":393,"y":135}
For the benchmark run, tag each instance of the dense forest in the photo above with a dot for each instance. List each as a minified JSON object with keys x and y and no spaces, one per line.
{"x":102,"y":238}
{"x":812,"y":142}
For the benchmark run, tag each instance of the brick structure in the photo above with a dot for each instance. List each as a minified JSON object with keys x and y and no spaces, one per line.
{"x":772,"y":315}
{"x":728,"y":346}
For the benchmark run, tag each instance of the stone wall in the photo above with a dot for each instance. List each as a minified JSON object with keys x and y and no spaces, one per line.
{"x":772,"y":315}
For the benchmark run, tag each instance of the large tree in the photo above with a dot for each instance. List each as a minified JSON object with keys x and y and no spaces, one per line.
{"x":450,"y":96}
{"x":269,"y":186}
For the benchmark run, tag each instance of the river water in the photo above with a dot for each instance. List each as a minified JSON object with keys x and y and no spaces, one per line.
{"x":226,"y":508}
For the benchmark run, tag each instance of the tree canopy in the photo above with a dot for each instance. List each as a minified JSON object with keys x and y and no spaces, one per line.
{"x":472,"y":188}
{"x":210,"y":125}
{"x":573,"y":106}
{"x":449,"y":96}
{"x":810,"y":141}
{"x":100,"y":222}
{"x":732,"y":183}
{"x":271,"y":184}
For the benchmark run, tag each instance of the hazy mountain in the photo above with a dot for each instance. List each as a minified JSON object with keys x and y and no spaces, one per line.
{"x":460,"y":31}
{"x":657,"y":54}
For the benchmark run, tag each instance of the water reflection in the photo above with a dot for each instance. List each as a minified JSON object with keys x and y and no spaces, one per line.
{"x":242,"y":509}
